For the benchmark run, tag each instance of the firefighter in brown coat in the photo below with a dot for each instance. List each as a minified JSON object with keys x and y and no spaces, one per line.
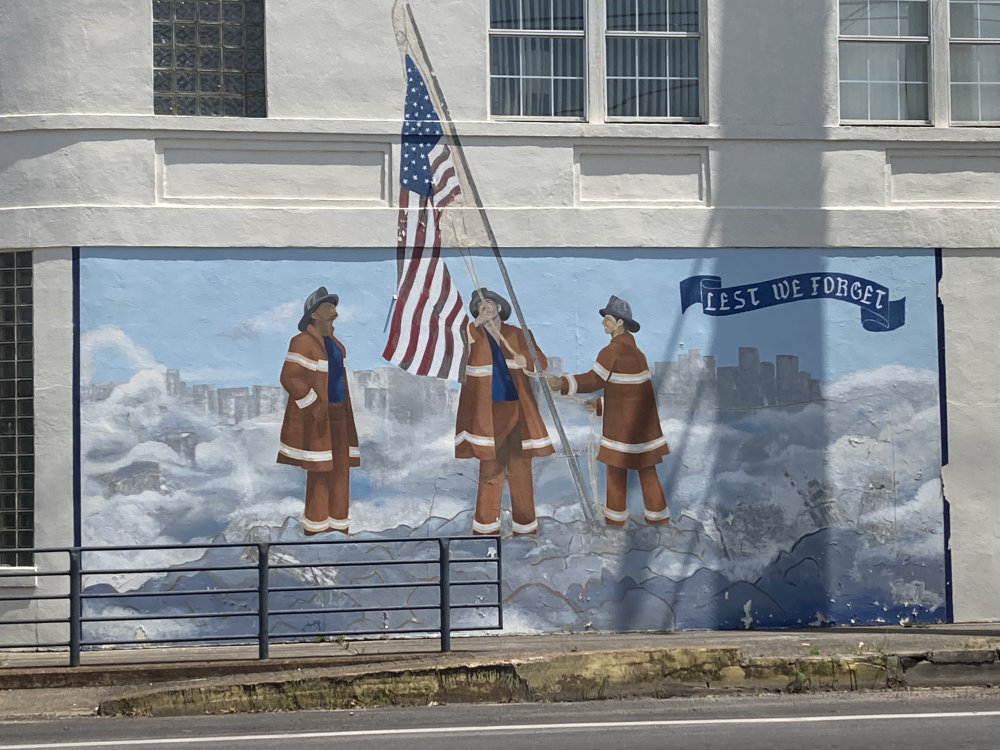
{"x":318,"y":432}
{"x":631,"y":436}
{"x":498,"y":420}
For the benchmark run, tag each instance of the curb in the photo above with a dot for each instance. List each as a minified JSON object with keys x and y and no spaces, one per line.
{"x":577,"y":676}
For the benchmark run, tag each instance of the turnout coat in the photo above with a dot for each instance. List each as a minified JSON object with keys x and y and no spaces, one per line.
{"x":305,"y":432}
{"x":632,"y":438}
{"x":474,"y":428}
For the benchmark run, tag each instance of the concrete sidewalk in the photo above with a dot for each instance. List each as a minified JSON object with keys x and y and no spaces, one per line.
{"x":409,"y":671}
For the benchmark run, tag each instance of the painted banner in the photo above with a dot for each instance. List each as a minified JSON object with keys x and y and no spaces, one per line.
{"x":878,"y":312}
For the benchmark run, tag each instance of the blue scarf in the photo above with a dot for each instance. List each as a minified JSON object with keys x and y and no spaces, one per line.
{"x":335,"y":374}
{"x":503,"y":388}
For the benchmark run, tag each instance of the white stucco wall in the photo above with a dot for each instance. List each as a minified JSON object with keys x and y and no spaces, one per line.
{"x":84,"y":162}
{"x":972,"y":476}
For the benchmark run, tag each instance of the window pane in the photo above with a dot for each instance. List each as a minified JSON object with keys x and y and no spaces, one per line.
{"x":505,"y":96}
{"x":621,"y":15}
{"x":964,"y":101}
{"x":683,"y":58}
{"x":989,"y":21}
{"x":568,"y":98}
{"x":163,"y":105}
{"x":621,"y":97}
{"x":884,"y":101}
{"x":854,"y":17}
{"x":853,"y":61}
{"x":652,"y":98}
{"x":537,"y":14}
{"x":989,"y":63}
{"x":652,"y":57}
{"x":963,"y":63}
{"x":162,"y":33}
{"x":913,"y":101}
{"x":184,"y":34}
{"x":913,"y":18}
{"x":537,"y":56}
{"x":254,"y":11}
{"x":505,"y":56}
{"x":568,"y":58}
{"x":232,"y":11}
{"x":684,"y":15}
{"x":185,"y":10}
{"x":568,"y":15}
{"x":883,"y":62}
{"x":504,"y":14}
{"x":621,"y":56}
{"x":914,"y":62}
{"x":162,"y":10}
{"x":537,"y":96}
{"x":887,"y":61}
{"x":684,"y":99}
{"x":963,"y":20}
{"x":854,"y":101}
{"x":184,"y":81}
{"x":653,"y":15}
{"x":883,"y":19}
{"x":989,"y":98}
{"x":209,"y":10}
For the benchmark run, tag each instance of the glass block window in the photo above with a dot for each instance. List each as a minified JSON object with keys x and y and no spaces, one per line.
{"x":653,"y":58}
{"x":537,"y":58}
{"x":208,"y":58}
{"x":17,"y":444}
{"x":975,"y":60}
{"x":884,"y":51}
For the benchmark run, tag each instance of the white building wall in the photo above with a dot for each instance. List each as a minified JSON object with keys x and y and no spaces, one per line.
{"x":84,"y":162}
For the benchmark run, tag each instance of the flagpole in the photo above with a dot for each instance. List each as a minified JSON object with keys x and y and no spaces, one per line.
{"x":446,"y":121}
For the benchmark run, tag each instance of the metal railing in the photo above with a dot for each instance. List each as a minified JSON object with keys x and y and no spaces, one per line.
{"x":263,"y":591}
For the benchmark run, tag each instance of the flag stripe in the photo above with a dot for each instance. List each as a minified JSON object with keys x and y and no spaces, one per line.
{"x":427,"y":327}
{"x":417,"y":301}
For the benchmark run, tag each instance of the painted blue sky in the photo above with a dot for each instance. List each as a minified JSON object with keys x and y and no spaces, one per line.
{"x":225,"y":316}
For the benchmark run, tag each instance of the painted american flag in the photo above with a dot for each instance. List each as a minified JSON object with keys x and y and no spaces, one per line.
{"x":427,"y":327}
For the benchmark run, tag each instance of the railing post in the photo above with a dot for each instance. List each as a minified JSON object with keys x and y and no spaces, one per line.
{"x":263,"y":553}
{"x":445,"y":584}
{"x":499,"y":584}
{"x":75,"y":606}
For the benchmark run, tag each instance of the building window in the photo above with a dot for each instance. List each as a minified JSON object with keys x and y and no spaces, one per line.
{"x":208,"y":58}
{"x":17,"y":444}
{"x":537,"y":58}
{"x":884,"y":47}
{"x":653,"y":58}
{"x":975,"y":60}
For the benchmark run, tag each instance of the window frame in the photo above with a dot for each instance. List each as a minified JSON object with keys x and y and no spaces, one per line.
{"x":939,"y":74}
{"x":595,"y":100}
{"x":17,"y":443}
{"x":953,"y":42}
{"x":208,"y":37}
{"x":927,"y":40}
{"x":522,"y":33}
{"x":699,"y":35}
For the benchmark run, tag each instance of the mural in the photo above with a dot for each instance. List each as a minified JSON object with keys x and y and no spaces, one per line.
{"x":802,"y":485}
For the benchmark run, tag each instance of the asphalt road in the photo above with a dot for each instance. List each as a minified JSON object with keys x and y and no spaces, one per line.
{"x":937,"y":719}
